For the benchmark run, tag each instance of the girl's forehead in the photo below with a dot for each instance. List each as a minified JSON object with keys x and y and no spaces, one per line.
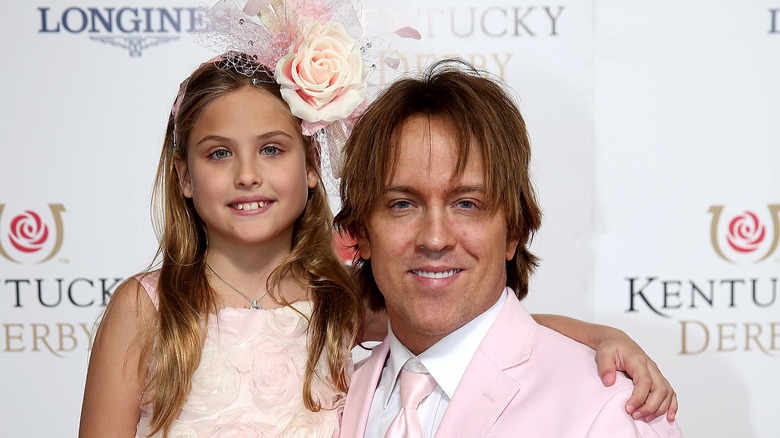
{"x":246,"y":110}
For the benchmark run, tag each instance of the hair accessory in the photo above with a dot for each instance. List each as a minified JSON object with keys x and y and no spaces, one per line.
{"x":315,"y":50}
{"x":180,"y":96}
{"x":175,"y":108}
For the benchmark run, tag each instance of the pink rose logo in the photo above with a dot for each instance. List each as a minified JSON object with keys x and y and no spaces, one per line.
{"x":28,"y":233}
{"x":746,"y":232}
{"x":322,"y":78}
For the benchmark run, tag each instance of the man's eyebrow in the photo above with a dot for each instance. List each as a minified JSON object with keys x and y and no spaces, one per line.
{"x":399,"y":189}
{"x":478,"y":188}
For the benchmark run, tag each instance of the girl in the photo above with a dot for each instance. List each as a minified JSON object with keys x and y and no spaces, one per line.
{"x":241,"y":206}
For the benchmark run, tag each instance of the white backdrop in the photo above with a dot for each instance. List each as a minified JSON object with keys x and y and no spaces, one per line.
{"x":656,"y":152}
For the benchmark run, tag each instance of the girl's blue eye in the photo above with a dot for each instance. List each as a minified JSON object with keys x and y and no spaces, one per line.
{"x":401,"y":204}
{"x":270,"y":150}
{"x":220,"y":154}
{"x":466,"y":204}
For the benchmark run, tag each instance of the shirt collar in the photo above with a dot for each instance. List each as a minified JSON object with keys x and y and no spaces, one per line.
{"x":445,"y":360}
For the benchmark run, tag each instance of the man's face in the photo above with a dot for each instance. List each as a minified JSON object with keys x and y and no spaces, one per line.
{"x":437,"y":252}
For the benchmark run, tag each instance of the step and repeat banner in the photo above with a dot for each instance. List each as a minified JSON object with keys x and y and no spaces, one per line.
{"x":656,"y":145}
{"x":687,"y":200}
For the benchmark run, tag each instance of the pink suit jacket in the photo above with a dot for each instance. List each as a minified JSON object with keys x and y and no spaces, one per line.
{"x":524,"y":381}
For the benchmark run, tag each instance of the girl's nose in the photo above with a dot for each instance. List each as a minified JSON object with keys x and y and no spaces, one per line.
{"x":248,"y":173}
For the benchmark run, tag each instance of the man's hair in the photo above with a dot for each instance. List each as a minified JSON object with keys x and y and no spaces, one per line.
{"x":478,"y":109}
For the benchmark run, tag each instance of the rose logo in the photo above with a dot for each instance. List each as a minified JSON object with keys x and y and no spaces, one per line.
{"x":28,"y":233}
{"x":746,"y":232}
{"x":322,"y":78}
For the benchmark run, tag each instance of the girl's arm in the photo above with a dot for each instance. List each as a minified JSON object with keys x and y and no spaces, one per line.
{"x":114,"y":378}
{"x":616,"y":351}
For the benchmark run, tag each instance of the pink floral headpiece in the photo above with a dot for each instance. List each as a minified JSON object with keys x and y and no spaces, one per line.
{"x":315,"y":50}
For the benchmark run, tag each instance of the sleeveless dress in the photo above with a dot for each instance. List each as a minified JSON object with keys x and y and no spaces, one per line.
{"x":250,"y":379}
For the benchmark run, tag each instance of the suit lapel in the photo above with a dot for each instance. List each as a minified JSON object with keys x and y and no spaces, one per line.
{"x":361,"y":392}
{"x":488,"y":385}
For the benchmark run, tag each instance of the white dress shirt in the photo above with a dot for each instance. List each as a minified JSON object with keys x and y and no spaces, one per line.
{"x":446,"y":361}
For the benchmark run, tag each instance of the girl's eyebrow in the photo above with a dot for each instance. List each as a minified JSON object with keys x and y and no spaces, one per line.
{"x":261,"y":137}
{"x":272,"y":134}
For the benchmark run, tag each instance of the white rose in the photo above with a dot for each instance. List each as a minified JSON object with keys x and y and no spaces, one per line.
{"x":243,"y":430}
{"x":307,"y":424}
{"x":322,"y":78}
{"x":215,"y":385}
{"x":287,"y":323}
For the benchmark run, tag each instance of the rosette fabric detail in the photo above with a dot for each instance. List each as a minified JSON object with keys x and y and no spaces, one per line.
{"x":249,"y":382}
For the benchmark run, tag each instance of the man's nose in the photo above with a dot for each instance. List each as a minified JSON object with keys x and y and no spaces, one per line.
{"x":435,"y":232}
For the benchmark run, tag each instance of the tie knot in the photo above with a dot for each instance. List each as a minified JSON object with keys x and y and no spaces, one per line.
{"x":415,"y":387}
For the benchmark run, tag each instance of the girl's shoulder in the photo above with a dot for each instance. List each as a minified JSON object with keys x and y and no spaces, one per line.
{"x":136,"y":295}
{"x":148,"y":281}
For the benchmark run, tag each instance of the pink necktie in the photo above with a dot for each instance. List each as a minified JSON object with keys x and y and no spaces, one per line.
{"x":414,"y":388}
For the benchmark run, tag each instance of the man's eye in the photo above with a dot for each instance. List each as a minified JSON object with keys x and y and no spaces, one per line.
{"x":466,"y":204}
{"x":270,"y":150}
{"x":401,"y":204}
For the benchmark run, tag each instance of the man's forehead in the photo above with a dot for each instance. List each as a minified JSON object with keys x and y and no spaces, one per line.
{"x":431,"y":144}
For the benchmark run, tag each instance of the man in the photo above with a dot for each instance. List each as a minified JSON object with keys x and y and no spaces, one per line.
{"x":437,"y":192}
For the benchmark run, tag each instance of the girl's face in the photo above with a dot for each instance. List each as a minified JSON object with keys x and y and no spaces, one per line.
{"x":246,"y":170}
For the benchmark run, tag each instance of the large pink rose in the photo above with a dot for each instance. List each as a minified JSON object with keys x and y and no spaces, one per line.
{"x":746,"y":232}
{"x":322,"y":78}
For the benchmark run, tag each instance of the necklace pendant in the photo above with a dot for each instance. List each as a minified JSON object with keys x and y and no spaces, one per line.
{"x":255,"y":306}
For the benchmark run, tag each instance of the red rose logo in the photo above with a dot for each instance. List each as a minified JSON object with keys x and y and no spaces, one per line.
{"x":28,"y":233}
{"x":746,"y":232}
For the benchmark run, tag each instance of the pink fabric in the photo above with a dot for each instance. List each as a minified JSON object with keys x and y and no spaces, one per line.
{"x":249,"y":382}
{"x":415,"y":387}
{"x":524,"y":380}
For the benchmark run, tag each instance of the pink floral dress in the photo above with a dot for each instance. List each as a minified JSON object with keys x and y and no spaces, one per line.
{"x":250,"y":378}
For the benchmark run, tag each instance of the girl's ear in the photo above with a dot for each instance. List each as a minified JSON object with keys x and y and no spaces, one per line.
{"x":311,"y":178}
{"x":183,"y":172}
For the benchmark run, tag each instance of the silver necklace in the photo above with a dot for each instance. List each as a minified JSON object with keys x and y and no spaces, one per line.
{"x":254,"y":302}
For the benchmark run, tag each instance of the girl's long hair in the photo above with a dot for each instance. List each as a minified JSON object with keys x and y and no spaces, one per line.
{"x":186,"y":299}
